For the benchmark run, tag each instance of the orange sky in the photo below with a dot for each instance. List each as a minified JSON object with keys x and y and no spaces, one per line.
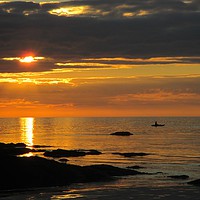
{"x":94,"y":59}
{"x":116,"y":90}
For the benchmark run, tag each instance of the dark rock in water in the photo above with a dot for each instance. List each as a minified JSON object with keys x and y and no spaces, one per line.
{"x":179,"y":176}
{"x":123,"y":133}
{"x":41,"y":146}
{"x":195,"y":182}
{"x":13,"y":149}
{"x":112,"y":171}
{"x":70,"y":153}
{"x":64,"y":153}
{"x":135,"y":167}
{"x":158,"y":173}
{"x":131,"y":154}
{"x":92,"y":152}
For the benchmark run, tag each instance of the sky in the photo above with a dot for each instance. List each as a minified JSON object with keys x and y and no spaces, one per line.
{"x":85,"y":58}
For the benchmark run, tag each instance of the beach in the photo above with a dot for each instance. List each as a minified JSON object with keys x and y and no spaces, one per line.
{"x":107,"y":191}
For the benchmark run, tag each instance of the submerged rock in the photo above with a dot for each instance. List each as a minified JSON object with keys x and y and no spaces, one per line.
{"x":135,"y":167}
{"x":122,"y":133}
{"x":131,"y":154}
{"x":179,"y":176}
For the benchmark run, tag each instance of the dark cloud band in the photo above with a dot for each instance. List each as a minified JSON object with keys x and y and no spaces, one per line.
{"x":155,"y":28}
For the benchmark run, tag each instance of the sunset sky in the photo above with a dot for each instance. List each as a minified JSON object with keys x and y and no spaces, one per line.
{"x":99,"y":58}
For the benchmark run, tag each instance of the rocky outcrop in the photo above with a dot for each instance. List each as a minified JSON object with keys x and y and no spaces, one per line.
{"x":179,"y":177}
{"x":131,"y":154}
{"x":70,"y":153}
{"x":135,"y":167}
{"x":111,"y":170}
{"x":28,"y":172}
{"x":122,"y":133}
{"x":13,"y":149}
{"x":41,"y":146}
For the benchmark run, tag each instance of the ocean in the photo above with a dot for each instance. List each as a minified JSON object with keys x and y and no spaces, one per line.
{"x":173,"y":149}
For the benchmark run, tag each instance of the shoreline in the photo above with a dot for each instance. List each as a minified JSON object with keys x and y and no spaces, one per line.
{"x":105,"y":191}
{"x":24,"y":176}
{"x":29,"y":172}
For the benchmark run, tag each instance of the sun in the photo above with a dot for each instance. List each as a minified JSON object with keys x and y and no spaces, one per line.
{"x":27,"y":59}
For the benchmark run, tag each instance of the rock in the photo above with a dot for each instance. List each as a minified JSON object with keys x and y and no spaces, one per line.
{"x":41,"y":146}
{"x":29,"y":172}
{"x":112,"y":171}
{"x":131,"y":154}
{"x":13,"y":149}
{"x":122,"y":133}
{"x":135,"y":167}
{"x":158,"y":173}
{"x":64,"y":153}
{"x":179,"y":176}
{"x":92,"y":152}
{"x":18,"y":145}
{"x":195,"y":182}
{"x":26,"y":172}
{"x":12,"y":145}
{"x":70,"y":153}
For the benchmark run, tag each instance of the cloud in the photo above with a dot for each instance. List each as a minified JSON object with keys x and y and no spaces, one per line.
{"x":154,"y":29}
{"x":18,"y":103}
{"x":100,"y":55}
{"x":103,"y":96}
{"x":157,"y":97}
{"x":103,"y":92}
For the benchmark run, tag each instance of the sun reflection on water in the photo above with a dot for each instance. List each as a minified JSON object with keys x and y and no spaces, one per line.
{"x":27,"y":127}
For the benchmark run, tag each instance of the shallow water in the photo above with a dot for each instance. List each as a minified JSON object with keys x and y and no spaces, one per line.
{"x":174,"y":149}
{"x":107,"y":191}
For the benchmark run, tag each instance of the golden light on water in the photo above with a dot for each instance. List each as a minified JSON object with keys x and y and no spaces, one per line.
{"x":27,"y":127}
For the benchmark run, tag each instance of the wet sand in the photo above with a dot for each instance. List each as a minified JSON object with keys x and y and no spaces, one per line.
{"x":124,"y":188}
{"x":100,"y":192}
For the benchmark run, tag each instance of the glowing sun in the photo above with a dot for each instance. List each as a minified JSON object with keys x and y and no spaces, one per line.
{"x":27,"y":59}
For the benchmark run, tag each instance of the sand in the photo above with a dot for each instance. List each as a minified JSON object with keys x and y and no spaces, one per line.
{"x":107,"y":191}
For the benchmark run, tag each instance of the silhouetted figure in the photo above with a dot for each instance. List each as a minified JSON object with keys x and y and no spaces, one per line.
{"x":156,"y":124}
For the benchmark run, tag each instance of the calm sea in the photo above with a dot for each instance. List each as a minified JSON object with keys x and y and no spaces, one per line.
{"x":173,"y":149}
